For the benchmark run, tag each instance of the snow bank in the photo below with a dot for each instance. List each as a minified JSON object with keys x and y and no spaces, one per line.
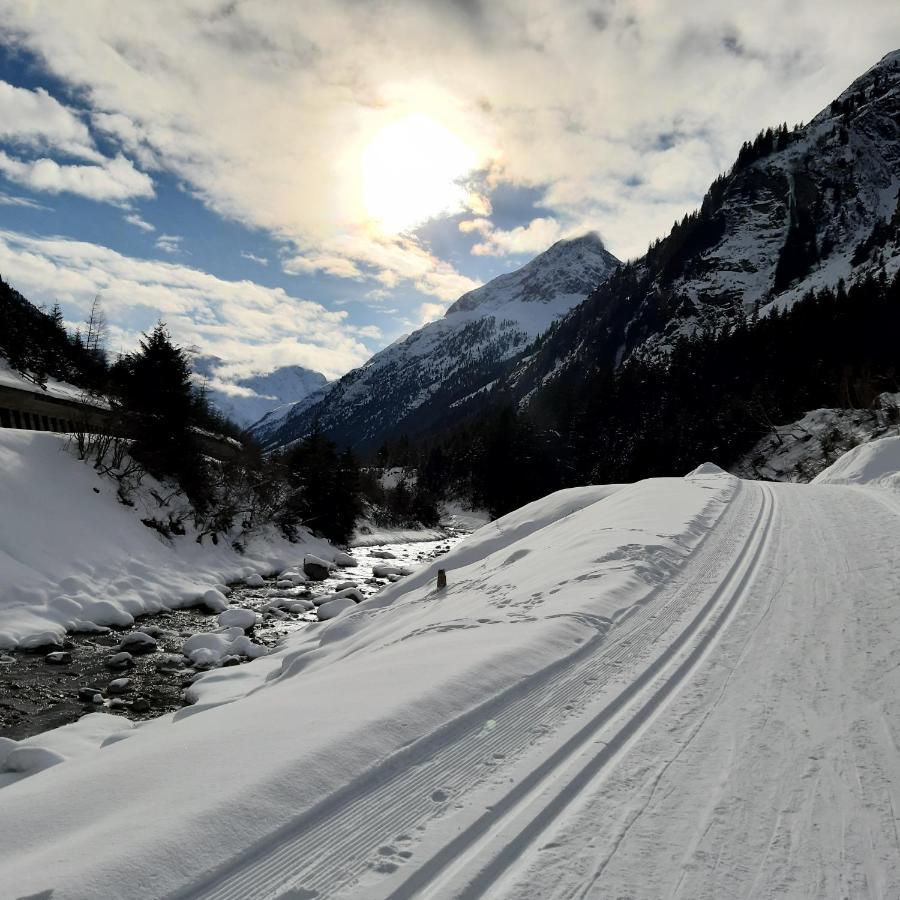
{"x":305,"y":721}
{"x":19,"y":759}
{"x":73,"y":558}
{"x":875,"y":463}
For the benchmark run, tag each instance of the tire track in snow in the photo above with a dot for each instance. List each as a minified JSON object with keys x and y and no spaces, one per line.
{"x":329,"y":847}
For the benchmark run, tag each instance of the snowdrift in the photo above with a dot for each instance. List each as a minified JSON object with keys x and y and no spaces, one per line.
{"x":72,"y":556}
{"x":341,"y":700}
{"x":875,"y":463}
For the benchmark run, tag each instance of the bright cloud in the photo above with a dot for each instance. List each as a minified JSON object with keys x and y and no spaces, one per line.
{"x":169,"y":243}
{"x":138,"y":222}
{"x":251,"y":327}
{"x":271,"y":115}
{"x":113,"y":180}
{"x":534,"y":237}
{"x":338,"y":128}
{"x":35,"y":119}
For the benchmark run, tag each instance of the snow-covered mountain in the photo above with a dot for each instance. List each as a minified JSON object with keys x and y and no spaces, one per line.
{"x":800,"y":209}
{"x":423,"y":377}
{"x":246,"y":400}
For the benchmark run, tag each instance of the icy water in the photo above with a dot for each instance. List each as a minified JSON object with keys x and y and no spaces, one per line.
{"x":37,"y":694}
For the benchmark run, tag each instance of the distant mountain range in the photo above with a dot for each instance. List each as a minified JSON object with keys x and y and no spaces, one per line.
{"x":246,"y":400}
{"x":435,"y":372}
{"x":802,"y":208}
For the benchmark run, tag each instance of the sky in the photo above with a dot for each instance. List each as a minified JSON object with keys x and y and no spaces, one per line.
{"x":301,"y":183}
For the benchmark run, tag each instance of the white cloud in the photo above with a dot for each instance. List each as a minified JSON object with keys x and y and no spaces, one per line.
{"x":534,"y":237}
{"x":251,"y":327}
{"x":254,"y":258}
{"x":23,"y":202}
{"x":35,"y":119}
{"x":138,"y":222}
{"x":169,"y":243}
{"x":265,"y":113}
{"x":114,"y":180}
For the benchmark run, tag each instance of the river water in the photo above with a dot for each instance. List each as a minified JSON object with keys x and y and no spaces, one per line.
{"x":37,"y":694}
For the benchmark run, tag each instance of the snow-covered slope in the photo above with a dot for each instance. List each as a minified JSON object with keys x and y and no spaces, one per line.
{"x":57,"y":574}
{"x":416,"y":380}
{"x":798,"y":451}
{"x":249,"y":399}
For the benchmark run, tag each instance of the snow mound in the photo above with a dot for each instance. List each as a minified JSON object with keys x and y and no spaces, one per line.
{"x":706,"y":468}
{"x":237,"y":618}
{"x":875,"y":463}
{"x":211,"y":648}
{"x":334,"y":608}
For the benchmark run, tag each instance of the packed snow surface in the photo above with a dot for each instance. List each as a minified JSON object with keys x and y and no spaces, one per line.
{"x":683,"y":687}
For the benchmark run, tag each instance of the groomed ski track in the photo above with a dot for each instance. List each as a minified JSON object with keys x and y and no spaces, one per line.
{"x":678,"y":753}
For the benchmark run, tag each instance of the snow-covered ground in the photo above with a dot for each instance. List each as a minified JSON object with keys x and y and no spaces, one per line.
{"x":683,"y":687}
{"x":73,"y":557}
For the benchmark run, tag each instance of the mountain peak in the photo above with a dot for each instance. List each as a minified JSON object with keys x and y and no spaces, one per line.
{"x":569,"y":267}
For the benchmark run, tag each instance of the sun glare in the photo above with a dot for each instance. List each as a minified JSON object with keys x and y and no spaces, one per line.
{"x":411,"y":172}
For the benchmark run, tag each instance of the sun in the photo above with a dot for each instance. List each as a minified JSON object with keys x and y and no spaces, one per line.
{"x":412,"y":171}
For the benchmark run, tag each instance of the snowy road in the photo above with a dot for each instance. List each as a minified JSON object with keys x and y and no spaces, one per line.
{"x":735,"y":736}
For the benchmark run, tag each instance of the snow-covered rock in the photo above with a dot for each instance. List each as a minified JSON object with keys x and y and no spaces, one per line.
{"x":238,"y":618}
{"x":210,"y":648}
{"x":334,"y":607}
{"x":214,"y":600}
{"x":800,"y":450}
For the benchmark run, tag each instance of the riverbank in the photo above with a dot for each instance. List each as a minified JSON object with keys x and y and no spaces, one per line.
{"x":75,"y":558}
{"x":39,"y":693}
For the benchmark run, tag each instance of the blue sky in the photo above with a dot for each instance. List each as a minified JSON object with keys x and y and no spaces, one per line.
{"x":288,"y":183}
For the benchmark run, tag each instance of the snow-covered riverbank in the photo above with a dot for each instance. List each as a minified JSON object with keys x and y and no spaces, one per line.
{"x":72,"y":557}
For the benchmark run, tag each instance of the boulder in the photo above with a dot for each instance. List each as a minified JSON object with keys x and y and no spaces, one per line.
{"x":382,"y":554}
{"x":58,"y":658}
{"x":255,"y":580}
{"x":345,"y":560}
{"x":138,"y":642}
{"x":121,"y":660}
{"x":87,"y":694}
{"x":315,"y":568}
{"x":118,"y":686}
